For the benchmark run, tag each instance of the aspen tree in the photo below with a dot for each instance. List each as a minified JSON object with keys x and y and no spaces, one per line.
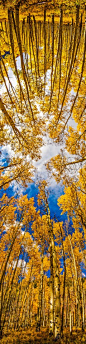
{"x":55,"y":324}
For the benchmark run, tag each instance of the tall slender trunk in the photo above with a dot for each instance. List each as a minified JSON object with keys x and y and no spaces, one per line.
{"x":57,"y":55}
{"x":52,"y":28}
{"x":57,"y":304}
{"x":83,"y":307}
{"x":71,"y":62}
{"x":44,"y":50}
{"x":1,"y":300}
{"x":14,"y":60}
{"x":66,"y":310}
{"x":41,"y":288}
{"x":51,"y":320}
{"x":70,"y":322}
{"x":64,"y":286}
{"x":22,"y":62}
{"x":55,"y":322}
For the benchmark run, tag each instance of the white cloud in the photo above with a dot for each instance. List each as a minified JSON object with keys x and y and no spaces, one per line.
{"x":7,"y":150}
{"x":48,"y":150}
{"x":17,"y":188}
{"x":13,"y":80}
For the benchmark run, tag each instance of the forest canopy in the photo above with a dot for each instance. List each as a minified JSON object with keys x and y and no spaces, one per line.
{"x":42,"y":110}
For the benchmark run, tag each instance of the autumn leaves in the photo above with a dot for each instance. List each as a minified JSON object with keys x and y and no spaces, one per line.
{"x":31,"y":242}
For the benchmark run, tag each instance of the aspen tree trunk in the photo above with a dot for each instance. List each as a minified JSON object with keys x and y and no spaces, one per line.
{"x":44,"y":304}
{"x":48,"y":40}
{"x":24,"y":296}
{"x":62,"y":324}
{"x":51,"y":325}
{"x":52,"y":29}
{"x":57,"y":306}
{"x":76,"y":282}
{"x":21,"y":56}
{"x":40,"y":308}
{"x":78,"y":307}
{"x":70,"y":322}
{"x":41,"y":289}
{"x":57,"y":55}
{"x":71,"y":61}
{"x":74,"y":319}
{"x":2,"y":280}
{"x":31,"y":304}
{"x":66,"y":310}
{"x":36,"y":44}
{"x":83,"y":308}
{"x":44,"y":49}
{"x":55,"y":328}
{"x":40,"y":303}
{"x":49,"y":314}
{"x":70,"y":315}
{"x":31,"y":42}
{"x":60,"y":58}
{"x":1,"y":298}
{"x":13,"y":52}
